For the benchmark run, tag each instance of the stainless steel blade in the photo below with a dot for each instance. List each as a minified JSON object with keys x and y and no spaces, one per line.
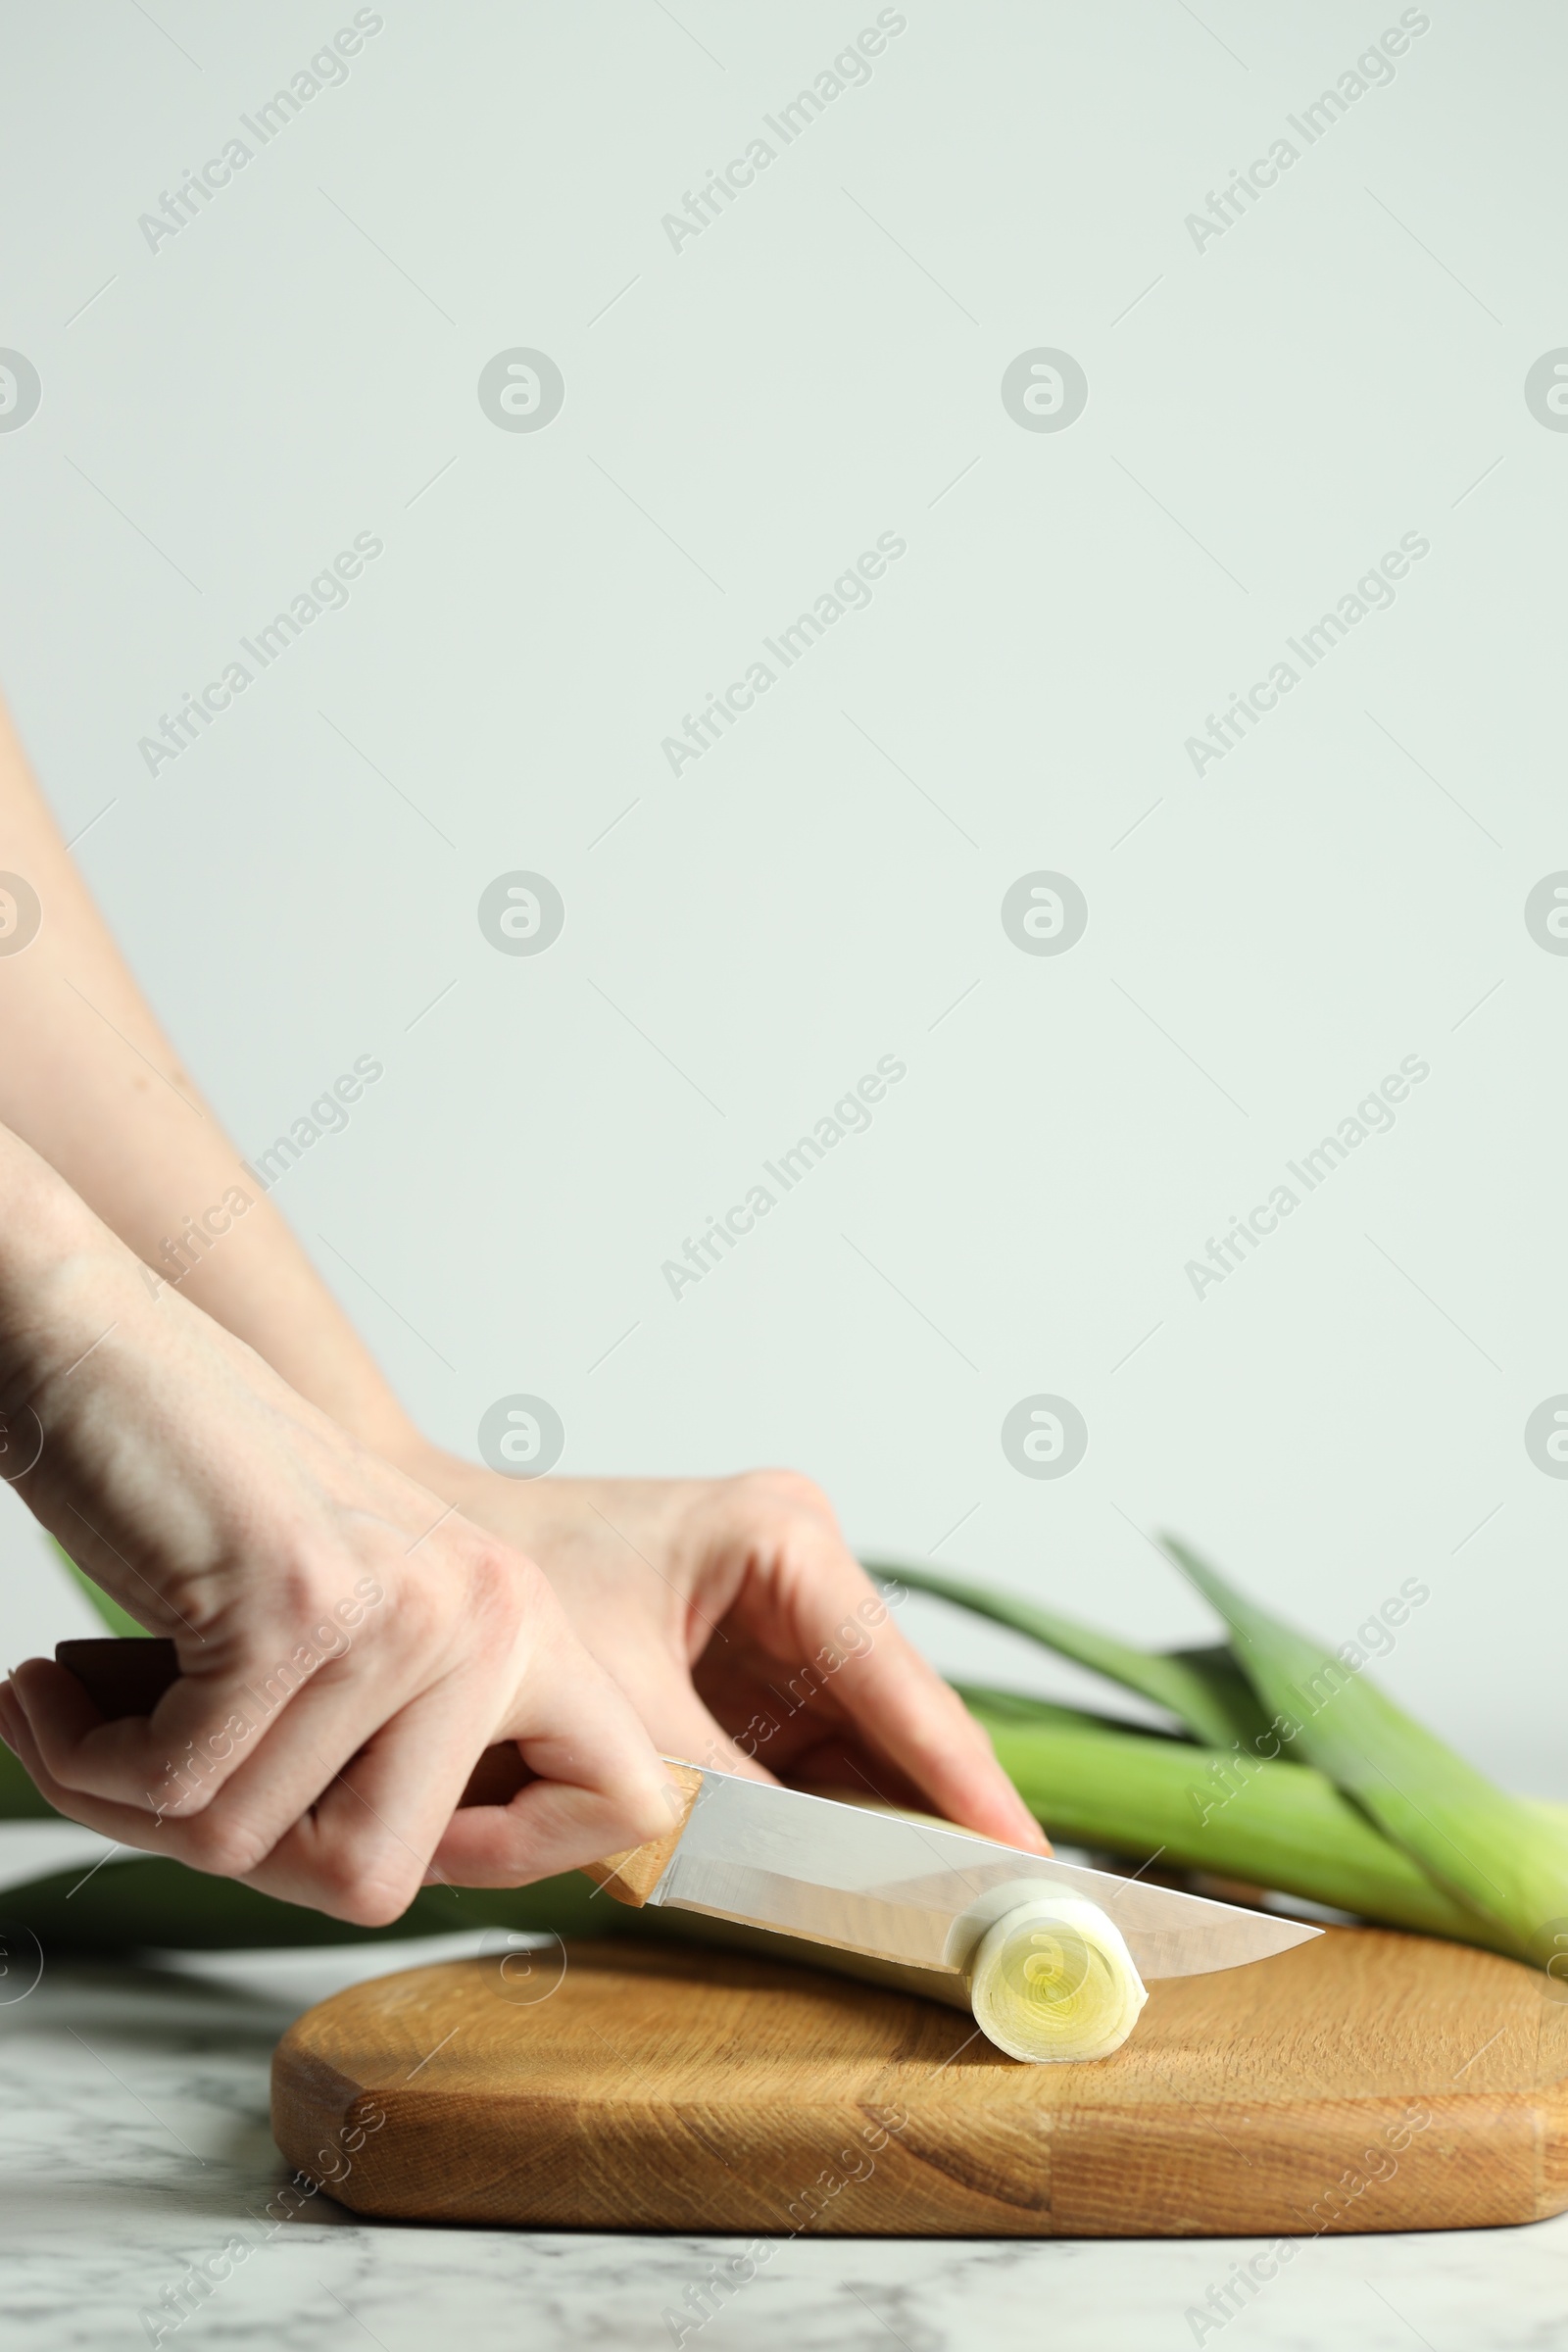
{"x":906,"y":1890}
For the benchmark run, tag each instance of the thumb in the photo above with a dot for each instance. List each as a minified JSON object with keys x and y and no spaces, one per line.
{"x":601,"y":1786}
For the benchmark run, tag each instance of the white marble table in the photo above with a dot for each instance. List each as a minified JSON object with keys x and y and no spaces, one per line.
{"x":136,"y":2144}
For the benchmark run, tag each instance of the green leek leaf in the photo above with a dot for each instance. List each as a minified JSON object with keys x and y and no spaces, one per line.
{"x":1274,"y":1825}
{"x":1490,"y":1849}
{"x":1216,"y":1706}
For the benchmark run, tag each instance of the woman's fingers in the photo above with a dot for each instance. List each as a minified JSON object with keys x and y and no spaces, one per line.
{"x":756,"y":1642}
{"x":680,"y":1723}
{"x":375,"y":1823}
{"x":128,"y":1825}
{"x":601,"y":1786}
{"x":229,"y":1695}
{"x":548,"y":1827}
{"x":348,"y":1645}
{"x":352,"y":1825}
{"x":897,"y":1702}
{"x":901,"y":1703}
{"x":387,"y":1824}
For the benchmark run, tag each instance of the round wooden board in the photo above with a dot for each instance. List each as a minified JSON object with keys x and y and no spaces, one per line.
{"x":1367,"y":2081}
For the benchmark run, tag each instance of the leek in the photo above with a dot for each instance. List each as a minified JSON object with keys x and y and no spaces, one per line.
{"x":1177,"y":1805}
{"x":1201,"y":1689}
{"x":1485,"y":1846}
{"x":1053,"y":1981}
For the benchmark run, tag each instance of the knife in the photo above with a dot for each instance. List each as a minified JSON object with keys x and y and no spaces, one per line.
{"x":880,"y":1884}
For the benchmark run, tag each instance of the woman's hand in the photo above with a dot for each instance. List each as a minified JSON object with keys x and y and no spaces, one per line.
{"x":735,"y":1620}
{"x":348,"y":1643}
{"x":236,"y":1516}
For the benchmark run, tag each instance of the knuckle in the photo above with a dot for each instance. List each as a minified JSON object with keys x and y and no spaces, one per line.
{"x":372,"y":1902}
{"x":789,"y":1490}
{"x":188,"y":1598}
{"x":223,"y":1846}
{"x":505,"y":1587}
{"x":420,"y":1614}
{"x":300,"y":1624}
{"x":296,"y":1584}
{"x":367,"y":1890}
{"x":377,"y":1907}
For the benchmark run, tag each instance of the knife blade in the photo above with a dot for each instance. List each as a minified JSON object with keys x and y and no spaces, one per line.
{"x":906,"y":1890}
{"x":877,"y":1883}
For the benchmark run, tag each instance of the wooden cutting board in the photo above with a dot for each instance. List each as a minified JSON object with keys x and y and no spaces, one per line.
{"x":1369,"y":2080}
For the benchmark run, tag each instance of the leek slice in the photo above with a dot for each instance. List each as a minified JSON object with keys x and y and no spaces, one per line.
{"x":1053,"y":1981}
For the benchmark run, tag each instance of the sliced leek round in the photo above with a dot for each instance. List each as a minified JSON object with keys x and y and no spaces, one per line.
{"x":1054,"y":1980}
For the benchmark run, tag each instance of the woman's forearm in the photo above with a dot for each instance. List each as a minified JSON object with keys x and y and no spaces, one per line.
{"x":88,"y":1078}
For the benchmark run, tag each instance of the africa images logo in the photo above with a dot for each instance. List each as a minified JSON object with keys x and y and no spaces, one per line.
{"x":1044,"y":390}
{"x":1545,"y":390}
{"x":522,"y":390}
{"x":20,"y":390}
{"x":522,"y":1437}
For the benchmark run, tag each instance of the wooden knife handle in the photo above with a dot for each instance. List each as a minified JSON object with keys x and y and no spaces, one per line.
{"x":631,"y":1876}
{"x":128,"y":1677}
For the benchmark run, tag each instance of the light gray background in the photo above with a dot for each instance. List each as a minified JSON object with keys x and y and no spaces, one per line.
{"x":742,"y":417}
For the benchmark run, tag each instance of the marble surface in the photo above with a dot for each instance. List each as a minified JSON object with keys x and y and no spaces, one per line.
{"x":136,"y":2144}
